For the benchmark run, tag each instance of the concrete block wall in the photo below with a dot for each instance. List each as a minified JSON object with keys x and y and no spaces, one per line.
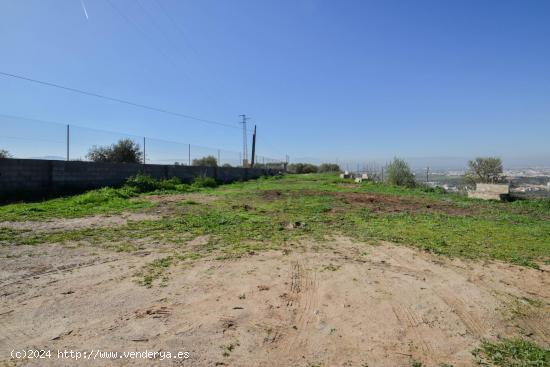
{"x":490,"y":191}
{"x":35,"y":178}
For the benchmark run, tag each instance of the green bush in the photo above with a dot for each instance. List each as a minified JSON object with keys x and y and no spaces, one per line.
{"x":100,"y":196}
{"x":329,"y":167}
{"x":437,"y":189}
{"x":144,"y":183}
{"x":302,"y":168}
{"x":399,"y":174}
{"x":203,"y":181}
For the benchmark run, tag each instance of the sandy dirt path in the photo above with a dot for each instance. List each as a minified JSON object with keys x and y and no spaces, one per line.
{"x":335,"y":304}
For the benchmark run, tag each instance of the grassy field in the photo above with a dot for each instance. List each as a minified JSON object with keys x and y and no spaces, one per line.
{"x":185,"y":223}
{"x":272,"y":212}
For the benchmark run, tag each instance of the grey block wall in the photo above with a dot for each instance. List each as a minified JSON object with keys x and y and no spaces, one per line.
{"x":20,"y":178}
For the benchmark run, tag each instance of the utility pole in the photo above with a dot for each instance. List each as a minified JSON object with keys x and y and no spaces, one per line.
{"x":144,"y":150}
{"x":189,"y":154}
{"x":427,"y":174}
{"x":253,"y":148}
{"x":68,"y":141}
{"x":219,"y":162}
{"x":245,"y":146}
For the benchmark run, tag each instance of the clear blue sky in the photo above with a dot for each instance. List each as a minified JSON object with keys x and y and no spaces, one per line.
{"x":324,"y":79}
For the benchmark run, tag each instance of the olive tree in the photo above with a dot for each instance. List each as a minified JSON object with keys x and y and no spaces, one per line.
{"x":208,"y":161}
{"x":484,"y":170}
{"x":124,"y":151}
{"x":399,"y":173}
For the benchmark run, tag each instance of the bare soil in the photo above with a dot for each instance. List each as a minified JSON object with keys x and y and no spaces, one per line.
{"x":78,"y":223}
{"x":338,"y":303}
{"x":380,"y":203}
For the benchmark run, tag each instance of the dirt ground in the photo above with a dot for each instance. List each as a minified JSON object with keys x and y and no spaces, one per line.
{"x":337,"y":303}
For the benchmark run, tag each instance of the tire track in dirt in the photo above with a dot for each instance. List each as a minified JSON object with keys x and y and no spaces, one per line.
{"x":412,"y":322}
{"x":56,"y":270}
{"x":474,"y":324}
{"x":302,"y":303}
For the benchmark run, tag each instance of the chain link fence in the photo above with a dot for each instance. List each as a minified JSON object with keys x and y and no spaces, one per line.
{"x":38,"y":139}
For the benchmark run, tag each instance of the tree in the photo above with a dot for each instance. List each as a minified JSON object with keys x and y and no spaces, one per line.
{"x":399,"y":173}
{"x":302,"y":168}
{"x":208,"y":161}
{"x":5,"y":154}
{"x":329,"y":167}
{"x":484,"y":170}
{"x":124,"y":151}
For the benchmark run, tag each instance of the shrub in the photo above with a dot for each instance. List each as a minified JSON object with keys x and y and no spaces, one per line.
{"x":437,"y":189}
{"x":226,"y":165}
{"x":302,"y":168}
{"x":144,"y":183}
{"x":329,"y":167}
{"x":203,"y":181}
{"x":5,"y":154}
{"x":398,"y":173}
{"x":208,"y":161}
{"x":124,"y":151}
{"x":100,"y":196}
{"x":484,"y":170}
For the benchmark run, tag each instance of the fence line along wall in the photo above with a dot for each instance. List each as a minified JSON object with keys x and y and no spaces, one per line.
{"x":21,"y":178}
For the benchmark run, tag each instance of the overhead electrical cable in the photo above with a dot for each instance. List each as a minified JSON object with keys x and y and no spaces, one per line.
{"x":119,"y":100}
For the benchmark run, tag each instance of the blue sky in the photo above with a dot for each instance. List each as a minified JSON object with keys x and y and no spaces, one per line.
{"x":353,"y":80}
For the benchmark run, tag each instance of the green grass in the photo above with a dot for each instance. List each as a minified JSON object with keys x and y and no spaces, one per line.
{"x":513,"y":353}
{"x":105,"y":200}
{"x":279,"y":211}
{"x":102,"y":201}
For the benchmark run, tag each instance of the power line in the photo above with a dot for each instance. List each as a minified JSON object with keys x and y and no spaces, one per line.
{"x":177,"y":27}
{"x":79,"y":128}
{"x":154,"y":44}
{"x":123,"y":101}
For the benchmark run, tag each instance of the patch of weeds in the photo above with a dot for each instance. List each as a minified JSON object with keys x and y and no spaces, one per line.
{"x":203,"y":181}
{"x":521,"y":307}
{"x":331,"y":267}
{"x":190,"y":256}
{"x":227,"y":349}
{"x":123,"y":247}
{"x":155,"y":270}
{"x":513,"y":353}
{"x":144,"y":183}
{"x":189,"y":202}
